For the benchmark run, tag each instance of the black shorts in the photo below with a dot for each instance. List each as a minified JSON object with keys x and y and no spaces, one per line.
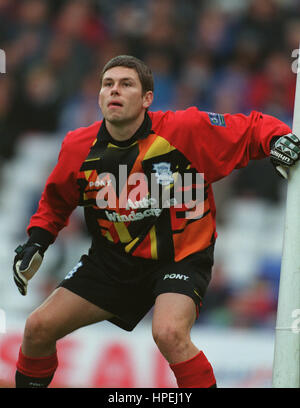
{"x":127,"y":286}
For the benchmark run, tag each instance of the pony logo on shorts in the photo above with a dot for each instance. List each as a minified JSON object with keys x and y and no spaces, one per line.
{"x":176,"y":276}
{"x":74,"y":270}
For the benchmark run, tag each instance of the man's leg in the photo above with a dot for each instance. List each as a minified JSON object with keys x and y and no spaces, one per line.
{"x":62,"y":313}
{"x":173,"y":318}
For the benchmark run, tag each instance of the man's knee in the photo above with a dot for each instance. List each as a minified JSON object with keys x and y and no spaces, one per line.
{"x":170,"y":337}
{"x":38,"y":330}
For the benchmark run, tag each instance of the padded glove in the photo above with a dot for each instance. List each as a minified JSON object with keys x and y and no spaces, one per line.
{"x":26,"y":263}
{"x":29,"y":257}
{"x":285,"y":151}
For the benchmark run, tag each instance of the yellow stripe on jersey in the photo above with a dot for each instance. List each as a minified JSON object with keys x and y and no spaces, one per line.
{"x":108,"y":236}
{"x":159,"y":147}
{"x":131,"y":244}
{"x":111,"y":145}
{"x":153,"y":242}
{"x":93,"y":159}
{"x":87,"y":174}
{"x":122,"y":232}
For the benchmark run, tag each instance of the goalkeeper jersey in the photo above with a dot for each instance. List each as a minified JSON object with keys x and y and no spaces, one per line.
{"x":151,"y":196}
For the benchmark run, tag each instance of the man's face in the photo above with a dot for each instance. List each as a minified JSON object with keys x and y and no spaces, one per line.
{"x":121,"y":99}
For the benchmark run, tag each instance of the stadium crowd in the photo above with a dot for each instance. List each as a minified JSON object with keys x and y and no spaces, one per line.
{"x":221,"y":56}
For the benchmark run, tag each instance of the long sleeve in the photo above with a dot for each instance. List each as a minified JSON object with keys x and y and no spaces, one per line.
{"x":217,"y":144}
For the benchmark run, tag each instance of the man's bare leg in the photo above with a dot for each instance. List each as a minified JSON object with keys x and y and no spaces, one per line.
{"x":60,"y":314}
{"x":173,"y":318}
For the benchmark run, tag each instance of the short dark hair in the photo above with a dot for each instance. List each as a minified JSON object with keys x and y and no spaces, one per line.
{"x":128,"y":61}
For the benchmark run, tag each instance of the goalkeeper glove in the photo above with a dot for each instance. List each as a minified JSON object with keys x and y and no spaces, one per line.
{"x":29,"y":257}
{"x":285,"y":151}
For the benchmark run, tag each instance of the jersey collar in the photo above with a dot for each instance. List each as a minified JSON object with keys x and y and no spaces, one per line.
{"x":143,"y":131}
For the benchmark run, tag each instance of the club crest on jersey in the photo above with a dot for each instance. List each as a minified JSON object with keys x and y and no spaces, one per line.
{"x":216,"y":119}
{"x":163,"y":173}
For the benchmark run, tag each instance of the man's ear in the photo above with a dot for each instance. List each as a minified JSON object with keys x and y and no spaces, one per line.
{"x":148,"y":99}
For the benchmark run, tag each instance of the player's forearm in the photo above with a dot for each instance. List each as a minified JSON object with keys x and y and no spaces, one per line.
{"x":50,"y":219}
{"x":266,"y":129}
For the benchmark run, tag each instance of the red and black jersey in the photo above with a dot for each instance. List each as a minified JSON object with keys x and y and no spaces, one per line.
{"x":130,"y":190}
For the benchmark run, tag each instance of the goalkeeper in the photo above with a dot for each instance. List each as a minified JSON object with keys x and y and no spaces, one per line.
{"x":140,"y":256}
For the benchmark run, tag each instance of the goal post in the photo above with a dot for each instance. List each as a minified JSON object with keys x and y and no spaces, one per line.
{"x":286,"y":364}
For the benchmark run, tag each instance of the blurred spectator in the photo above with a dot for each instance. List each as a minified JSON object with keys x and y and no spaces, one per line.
{"x":160,"y":29}
{"x":77,"y":21}
{"x":213,"y":34}
{"x":263,"y":22}
{"x":254,"y":306}
{"x":37,"y":103}
{"x":30,"y":33}
{"x":33,"y":14}
{"x":164,"y":80}
{"x":194,"y":83}
{"x":219,"y":292}
{"x":272,"y":89}
{"x":162,"y":35}
{"x":130,"y":22}
{"x":111,"y":48}
{"x":257,"y":180}
{"x":7,"y":23}
{"x":82,"y":109}
{"x":69,"y":61}
{"x":292,"y":33}
{"x":8,"y":131}
{"x":229,"y":86}
{"x":247,"y":52}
